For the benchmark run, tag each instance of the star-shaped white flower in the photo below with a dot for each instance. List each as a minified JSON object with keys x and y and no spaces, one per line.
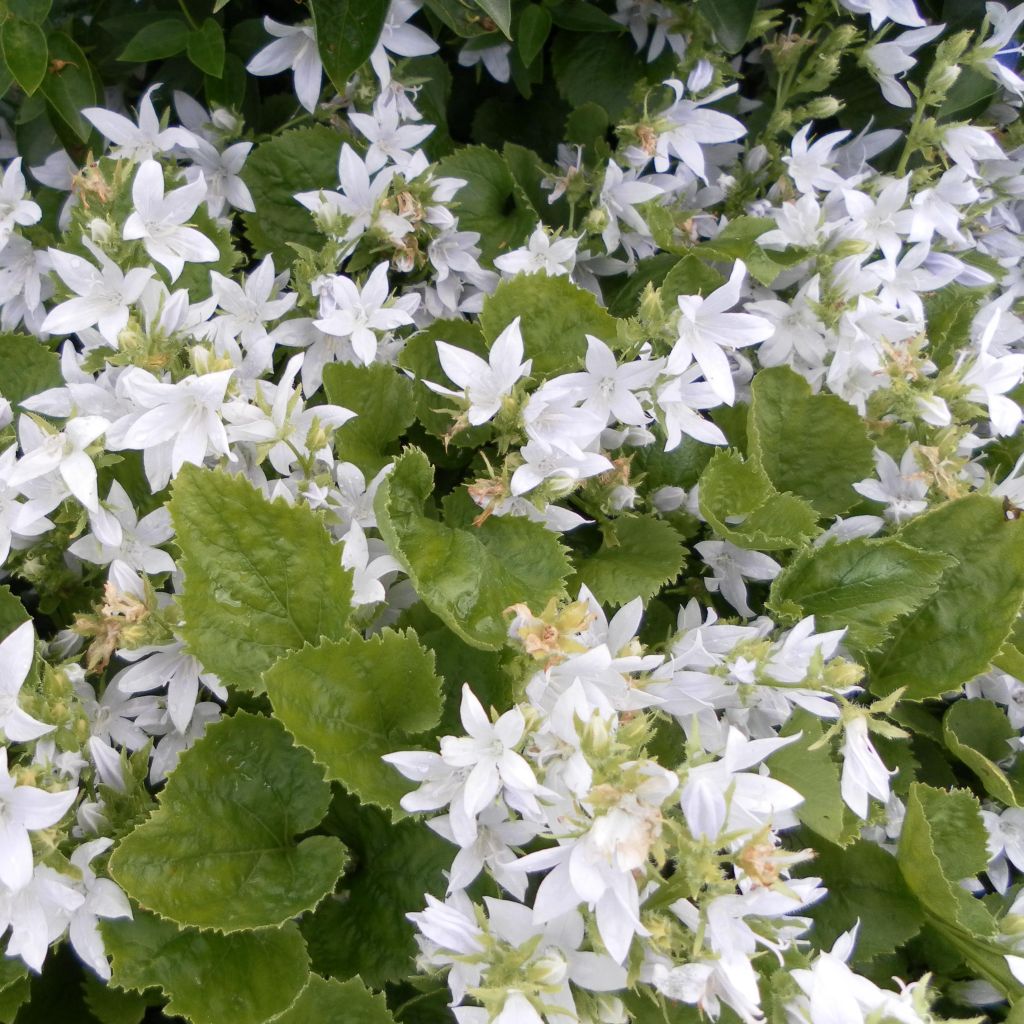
{"x":16,"y":652}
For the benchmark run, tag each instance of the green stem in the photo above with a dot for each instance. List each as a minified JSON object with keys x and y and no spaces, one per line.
{"x":188,"y":14}
{"x":908,"y":146}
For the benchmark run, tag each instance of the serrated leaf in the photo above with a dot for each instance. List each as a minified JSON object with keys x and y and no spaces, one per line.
{"x":467,"y":577}
{"x":382,"y":398}
{"x":27,"y":367}
{"x":595,"y":67}
{"x":491,"y":202}
{"x":346,"y":33}
{"x":943,"y":841}
{"x":815,"y":446}
{"x":24,"y":48}
{"x":731,"y":20}
{"x":206,"y":48}
{"x":864,"y":884}
{"x":977,"y":732}
{"x":556,"y":318}
{"x":302,"y":160}
{"x":534,"y":28}
{"x":14,"y":987}
{"x":353,"y":701}
{"x":954,"y":635}
{"x":261,"y":577}
{"x":244,"y":978}
{"x":363,"y":929}
{"x":156,"y":41}
{"x":949,"y":313}
{"x":688,"y":276}
{"x":111,"y":1005}
{"x":12,"y":615}
{"x":330,"y":1000}
{"x":731,"y":489}
{"x":219,"y":851}
{"x":637,"y":557}
{"x":815,"y":775}
{"x":863,"y":585}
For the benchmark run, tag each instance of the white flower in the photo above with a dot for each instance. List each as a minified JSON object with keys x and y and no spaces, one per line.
{"x":540,"y":254}
{"x":809,"y":165}
{"x":16,"y":653}
{"x":864,"y":774}
{"x":902,"y":488}
{"x":887,"y":61}
{"x":294,"y":48}
{"x":142,"y":141}
{"x":493,"y":56}
{"x":103,"y":898}
{"x":366,"y":572}
{"x":24,"y":809}
{"x":159,"y":220}
{"x":543,"y":460}
{"x":903,"y":12}
{"x":730,"y":565}
{"x":14,"y":207}
{"x":220,"y":169}
{"x":693,"y":127}
{"x":707,"y":332}
{"x":399,"y":38}
{"x":389,"y":141}
{"x":484,"y":383}
{"x":37,"y":914}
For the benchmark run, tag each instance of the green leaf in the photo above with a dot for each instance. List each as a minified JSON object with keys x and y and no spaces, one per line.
{"x":27,"y":367}
{"x":949,"y":313}
{"x":24,"y":48}
{"x":814,"y":774}
{"x":977,"y":733}
{"x":731,"y":488}
{"x":330,"y":1000}
{"x":12,"y":615}
{"x":730,"y":19}
{"x":500,"y":12}
{"x":467,"y":577}
{"x":302,"y":160}
{"x":534,"y":28}
{"x":206,"y":48}
{"x":596,"y":68}
{"x":353,"y":701}
{"x":71,"y":88}
{"x":30,"y":10}
{"x":815,"y":446}
{"x":689,"y":276}
{"x":459,"y":16}
{"x":14,"y":988}
{"x":864,"y":585}
{"x":864,"y":884}
{"x":363,"y":929}
{"x":556,"y":318}
{"x":943,"y":841}
{"x":346,"y":33}
{"x":491,"y":202}
{"x":383,"y":399}
{"x":157,"y":40}
{"x":244,"y":978}
{"x":110,"y":1005}
{"x":262,"y":577}
{"x":955,"y":634}
{"x":219,"y":851}
{"x":637,"y":557}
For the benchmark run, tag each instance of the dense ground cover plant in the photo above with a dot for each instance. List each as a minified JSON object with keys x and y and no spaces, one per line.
{"x":510,"y":511}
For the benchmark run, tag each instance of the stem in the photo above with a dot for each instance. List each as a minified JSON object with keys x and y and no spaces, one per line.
{"x":188,"y":14}
{"x":908,"y":146}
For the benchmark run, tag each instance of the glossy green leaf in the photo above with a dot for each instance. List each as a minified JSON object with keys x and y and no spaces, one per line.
{"x":363,"y":928}
{"x":347,"y":32}
{"x":688,"y":276}
{"x":468,"y":577}
{"x":863,"y":585}
{"x":955,"y":634}
{"x":24,"y":48}
{"x":491,"y":202}
{"x":302,"y":160}
{"x":206,"y":48}
{"x":459,"y":16}
{"x":219,"y":851}
{"x":12,"y":615}
{"x":949,"y":313}
{"x":815,"y":774}
{"x":244,"y":978}
{"x":637,"y":557}
{"x":30,"y":10}
{"x":262,"y":577}
{"x":977,"y":733}
{"x":731,"y":20}
{"x":731,"y":489}
{"x":556,"y":318}
{"x":329,"y":1000}
{"x":534,"y":27}
{"x":70,"y":87}
{"x":156,"y":41}
{"x":815,"y":446}
{"x":864,"y":884}
{"x":500,"y":12}
{"x":382,"y":398}
{"x":352,"y":701}
{"x":27,"y":367}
